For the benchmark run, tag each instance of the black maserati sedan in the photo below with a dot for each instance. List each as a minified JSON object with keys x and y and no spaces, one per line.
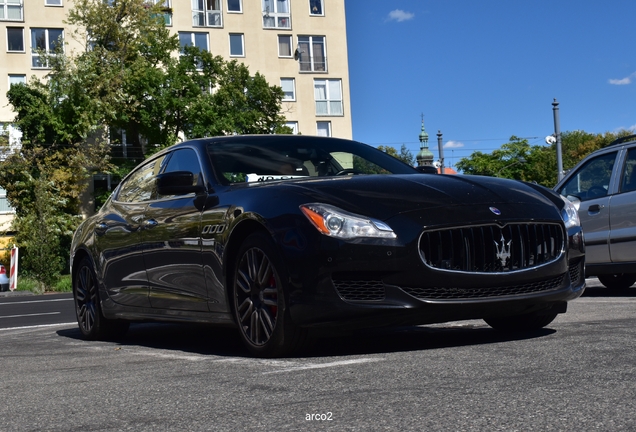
{"x":288,"y":236}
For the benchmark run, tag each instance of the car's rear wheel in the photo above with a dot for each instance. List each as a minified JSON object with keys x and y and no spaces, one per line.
{"x":260,"y":306}
{"x":618,"y":281}
{"x":91,"y":320}
{"x":531,"y":321}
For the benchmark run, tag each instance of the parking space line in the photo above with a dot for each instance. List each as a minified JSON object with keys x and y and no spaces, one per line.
{"x":27,"y":315}
{"x":35,"y":301}
{"x":325,"y":365}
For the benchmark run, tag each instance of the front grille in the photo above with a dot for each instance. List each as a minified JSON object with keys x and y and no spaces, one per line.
{"x":491,"y":248}
{"x":453,"y":293}
{"x":360,"y":290}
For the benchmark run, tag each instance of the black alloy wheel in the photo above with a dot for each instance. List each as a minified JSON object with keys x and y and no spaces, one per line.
{"x":259,"y":300}
{"x":91,"y":321}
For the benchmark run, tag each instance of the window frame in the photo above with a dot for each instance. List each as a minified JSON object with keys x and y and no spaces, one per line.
{"x":230,"y":35}
{"x":307,"y":55}
{"x":207,"y":14}
{"x":322,"y":8}
{"x":47,"y":4}
{"x":329,"y":100}
{"x":35,"y":55}
{"x":329,"y":129}
{"x":276,"y":15}
{"x":293,"y":89}
{"x":23,"y":44}
{"x":291,"y":46}
{"x":240,"y":11}
{"x":293,"y":125}
{"x":24,"y":81}
{"x":4,"y":7}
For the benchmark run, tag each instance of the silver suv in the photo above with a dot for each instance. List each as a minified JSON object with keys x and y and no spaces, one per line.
{"x":603,"y":188}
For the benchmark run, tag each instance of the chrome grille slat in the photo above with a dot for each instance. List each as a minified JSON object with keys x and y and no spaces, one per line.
{"x":481,"y":249}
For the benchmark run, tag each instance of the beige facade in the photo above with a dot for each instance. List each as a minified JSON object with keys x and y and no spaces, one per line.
{"x":301,"y":42}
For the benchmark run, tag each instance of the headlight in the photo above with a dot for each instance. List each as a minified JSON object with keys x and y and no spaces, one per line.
{"x":338,"y":223}
{"x":569,"y":214}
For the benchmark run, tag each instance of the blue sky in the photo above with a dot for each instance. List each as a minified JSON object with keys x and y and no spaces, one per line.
{"x":482,"y":71}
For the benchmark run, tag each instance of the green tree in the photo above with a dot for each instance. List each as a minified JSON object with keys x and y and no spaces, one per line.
{"x":519,"y":160}
{"x":404,"y":155}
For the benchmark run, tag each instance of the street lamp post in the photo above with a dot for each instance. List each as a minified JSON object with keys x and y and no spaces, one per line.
{"x":557,"y":135}
{"x":441,"y":151}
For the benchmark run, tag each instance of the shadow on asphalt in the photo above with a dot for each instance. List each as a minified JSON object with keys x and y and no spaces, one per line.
{"x":206,"y":340}
{"x":601,"y":291}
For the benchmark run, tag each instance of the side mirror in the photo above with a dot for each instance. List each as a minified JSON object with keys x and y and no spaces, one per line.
{"x":177,"y":183}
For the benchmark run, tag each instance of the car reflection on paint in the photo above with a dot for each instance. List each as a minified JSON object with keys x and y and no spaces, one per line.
{"x":285,"y":237}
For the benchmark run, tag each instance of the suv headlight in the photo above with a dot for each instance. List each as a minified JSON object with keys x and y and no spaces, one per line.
{"x":570,"y":214}
{"x":338,"y":223}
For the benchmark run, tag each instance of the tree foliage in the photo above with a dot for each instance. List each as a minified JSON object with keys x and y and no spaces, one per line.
{"x":133,"y":76}
{"x":519,"y":160}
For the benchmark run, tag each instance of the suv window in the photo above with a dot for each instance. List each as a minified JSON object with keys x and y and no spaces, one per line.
{"x":628,"y":181}
{"x":592,"y":179}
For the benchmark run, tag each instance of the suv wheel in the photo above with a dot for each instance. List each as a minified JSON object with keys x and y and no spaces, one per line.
{"x":618,"y":281}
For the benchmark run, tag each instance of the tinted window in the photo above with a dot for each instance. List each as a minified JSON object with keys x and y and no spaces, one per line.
{"x":140,"y":185}
{"x":628,"y":182}
{"x":592,"y":179}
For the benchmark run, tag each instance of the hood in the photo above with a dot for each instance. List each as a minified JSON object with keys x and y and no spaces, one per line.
{"x":385,"y":196}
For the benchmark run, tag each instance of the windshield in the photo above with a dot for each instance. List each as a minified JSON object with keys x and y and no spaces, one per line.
{"x":281,"y":158}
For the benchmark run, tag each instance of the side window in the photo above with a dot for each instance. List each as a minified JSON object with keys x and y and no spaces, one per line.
{"x":592,"y":179}
{"x":628,"y":180}
{"x":140,"y":186}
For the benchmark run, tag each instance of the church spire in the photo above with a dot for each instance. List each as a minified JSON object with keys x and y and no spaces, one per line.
{"x":425,"y":156}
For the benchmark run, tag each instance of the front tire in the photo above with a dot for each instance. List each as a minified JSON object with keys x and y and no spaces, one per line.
{"x":526,"y":322}
{"x":91,"y":320}
{"x":260,"y":306}
{"x":618,"y":281}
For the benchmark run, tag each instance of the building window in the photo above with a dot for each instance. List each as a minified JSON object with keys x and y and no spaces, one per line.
{"x":316,"y":8}
{"x":199,"y":40}
{"x":15,"y":39}
{"x":234,"y":6}
{"x":237,"y":48}
{"x":206,"y":13}
{"x":17,"y":79}
{"x":166,"y":10}
{"x":293,"y":125}
{"x":323,"y":128}
{"x":328,"y":95}
{"x":11,"y":10}
{"x":4,"y":203}
{"x":276,"y":14}
{"x":311,"y":53}
{"x":284,"y":46}
{"x":289,"y":88}
{"x":52,"y":2}
{"x":45,"y":41}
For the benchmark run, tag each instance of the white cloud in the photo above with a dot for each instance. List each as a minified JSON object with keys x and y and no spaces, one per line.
{"x":623,"y":81}
{"x":453,"y":144}
{"x":399,"y":15}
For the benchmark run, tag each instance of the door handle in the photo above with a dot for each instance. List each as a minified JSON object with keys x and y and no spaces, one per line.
{"x":595,"y":208}
{"x":150,"y":223}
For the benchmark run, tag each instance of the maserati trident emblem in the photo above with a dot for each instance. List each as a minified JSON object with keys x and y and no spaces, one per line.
{"x":503,"y":250}
{"x":495,"y":210}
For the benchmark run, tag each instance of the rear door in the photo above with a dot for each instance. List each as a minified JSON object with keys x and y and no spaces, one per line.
{"x":623,"y":213}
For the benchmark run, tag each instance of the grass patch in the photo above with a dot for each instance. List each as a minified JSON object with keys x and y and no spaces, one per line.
{"x":26,"y":283}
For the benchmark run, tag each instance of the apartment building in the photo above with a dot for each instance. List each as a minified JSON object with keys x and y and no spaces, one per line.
{"x":300,"y":45}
